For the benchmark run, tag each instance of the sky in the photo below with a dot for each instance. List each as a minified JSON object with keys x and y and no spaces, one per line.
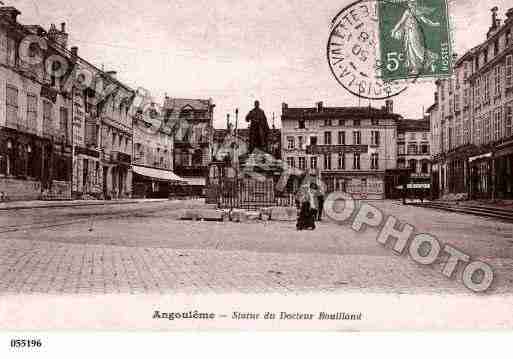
{"x":233,"y":51}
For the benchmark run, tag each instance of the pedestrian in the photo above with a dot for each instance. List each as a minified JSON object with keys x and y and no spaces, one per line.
{"x":306,"y":199}
{"x":321,"y":193}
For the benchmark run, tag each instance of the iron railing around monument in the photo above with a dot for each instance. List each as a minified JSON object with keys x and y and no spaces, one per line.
{"x":250,"y":194}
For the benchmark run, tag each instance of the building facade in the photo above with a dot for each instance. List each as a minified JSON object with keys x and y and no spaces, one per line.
{"x":65,"y":126}
{"x":153,"y":156}
{"x":194,"y":130}
{"x":414,"y":148}
{"x":35,"y":120}
{"x":472,"y":119}
{"x":351,"y":148}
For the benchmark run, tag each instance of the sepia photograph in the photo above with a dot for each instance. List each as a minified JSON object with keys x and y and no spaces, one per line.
{"x":294,"y":165}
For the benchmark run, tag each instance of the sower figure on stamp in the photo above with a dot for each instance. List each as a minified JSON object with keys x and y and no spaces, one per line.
{"x":258,"y":129}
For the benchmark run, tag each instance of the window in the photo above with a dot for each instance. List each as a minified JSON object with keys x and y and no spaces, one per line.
{"x":113,"y":143}
{"x":357,"y":138}
{"x":497,"y":81}
{"x":497,"y":125}
{"x":342,"y":138}
{"x":63,"y":122}
{"x":456,"y":103}
{"x":32,"y":112}
{"x":291,"y":162}
{"x":327,"y":161}
{"x":424,"y":136}
{"x":413,"y":136}
{"x":496,"y":47}
{"x":341,"y":122}
{"x":374,"y":122}
{"x":327,"y":138}
{"x":341,"y":161}
{"x":508,"y":119}
{"x":11,"y":105}
{"x":313,"y":163}
{"x":302,"y":163}
{"x":301,"y":124}
{"x":375,"y":138}
{"x":12,"y":48}
{"x":356,"y":161}
{"x":425,"y":167}
{"x":47,"y":117}
{"x":290,"y":143}
{"x":509,"y":71}
{"x":400,"y":150}
{"x":374,"y":161}
{"x":357,"y":123}
{"x":508,"y":36}
{"x":485,"y":56}
{"x":412,"y":148}
{"x":412,"y":164}
{"x":313,"y":141}
{"x":300,"y":142}
{"x":424,"y":149}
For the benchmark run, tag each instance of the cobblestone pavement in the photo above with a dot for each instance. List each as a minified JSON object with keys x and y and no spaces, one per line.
{"x":146,"y":249}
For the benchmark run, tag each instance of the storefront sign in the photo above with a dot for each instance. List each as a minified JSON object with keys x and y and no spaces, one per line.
{"x":321,"y":149}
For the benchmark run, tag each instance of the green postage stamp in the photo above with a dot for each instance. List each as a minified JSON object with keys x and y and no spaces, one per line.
{"x":415,"y":39}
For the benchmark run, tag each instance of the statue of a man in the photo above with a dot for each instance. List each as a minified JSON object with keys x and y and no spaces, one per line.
{"x":258,"y":129}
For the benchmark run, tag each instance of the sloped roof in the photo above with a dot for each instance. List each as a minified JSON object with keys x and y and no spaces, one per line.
{"x":361,"y":111}
{"x":412,"y":125}
{"x":180,"y":103}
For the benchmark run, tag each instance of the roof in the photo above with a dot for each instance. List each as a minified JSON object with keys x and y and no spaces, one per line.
{"x":413,"y":125}
{"x":180,"y":103}
{"x":353,"y":111}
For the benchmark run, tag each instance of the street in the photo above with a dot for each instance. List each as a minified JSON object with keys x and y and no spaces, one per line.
{"x":146,"y":248}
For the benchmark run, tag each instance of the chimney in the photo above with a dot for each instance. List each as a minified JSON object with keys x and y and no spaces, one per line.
{"x":284,"y":107}
{"x":436,"y":97}
{"x":58,"y":36}
{"x":74,"y":51}
{"x":389,"y":106}
{"x":495,"y":22}
{"x":319,"y":106}
{"x":10,"y":12}
{"x":112,"y":74}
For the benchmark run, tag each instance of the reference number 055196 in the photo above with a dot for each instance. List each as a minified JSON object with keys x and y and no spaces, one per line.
{"x":26,"y":343}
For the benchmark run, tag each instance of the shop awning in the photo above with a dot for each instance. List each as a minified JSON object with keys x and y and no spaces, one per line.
{"x":157,"y":174}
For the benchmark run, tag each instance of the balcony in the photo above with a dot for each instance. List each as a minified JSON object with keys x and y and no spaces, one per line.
{"x":120,"y":157}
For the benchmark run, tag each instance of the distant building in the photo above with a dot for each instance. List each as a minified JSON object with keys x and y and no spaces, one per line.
{"x":153,"y":155}
{"x":413,"y":147}
{"x":193,"y":139}
{"x":351,"y":148}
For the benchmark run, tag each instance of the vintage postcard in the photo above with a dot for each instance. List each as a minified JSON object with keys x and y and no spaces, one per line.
{"x":255,"y":165}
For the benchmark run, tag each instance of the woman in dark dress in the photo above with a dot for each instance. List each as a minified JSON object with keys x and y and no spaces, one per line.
{"x":307,"y":208}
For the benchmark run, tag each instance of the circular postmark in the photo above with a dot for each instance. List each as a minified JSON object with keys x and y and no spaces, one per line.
{"x":353,"y":52}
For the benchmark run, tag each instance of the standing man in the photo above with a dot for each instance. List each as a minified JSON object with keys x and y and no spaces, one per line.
{"x":321,"y":193}
{"x":258,"y":129}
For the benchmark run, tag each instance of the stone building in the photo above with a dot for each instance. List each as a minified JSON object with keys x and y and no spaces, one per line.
{"x":193,"y":120}
{"x":413,"y":148}
{"x":35,"y":120}
{"x":153,"y":155}
{"x":471,"y":119}
{"x":350,"y":147}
